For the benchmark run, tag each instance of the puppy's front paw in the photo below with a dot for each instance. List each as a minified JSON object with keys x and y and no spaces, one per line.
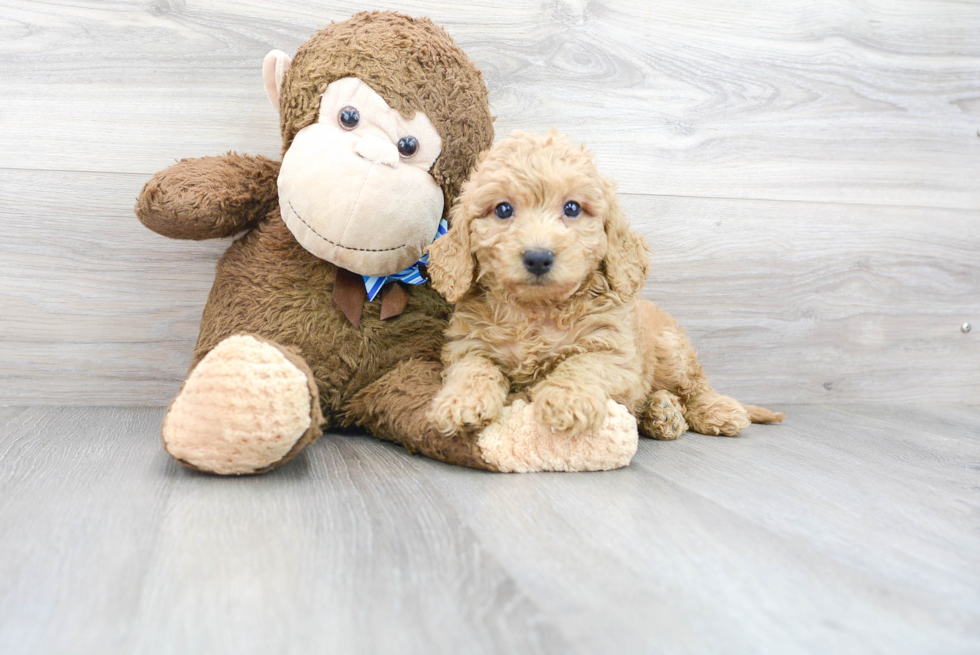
{"x":663,"y":417}
{"x":452,"y":412}
{"x":570,"y":410}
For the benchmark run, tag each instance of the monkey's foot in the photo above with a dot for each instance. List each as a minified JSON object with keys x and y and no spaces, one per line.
{"x":247,"y":407}
{"x":516,"y":443}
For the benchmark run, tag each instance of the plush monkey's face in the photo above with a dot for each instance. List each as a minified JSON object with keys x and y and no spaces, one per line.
{"x":354,"y":187}
{"x":383,"y":117}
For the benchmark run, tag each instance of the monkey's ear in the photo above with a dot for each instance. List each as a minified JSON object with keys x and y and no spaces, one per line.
{"x":274,"y":68}
{"x":450,"y":260}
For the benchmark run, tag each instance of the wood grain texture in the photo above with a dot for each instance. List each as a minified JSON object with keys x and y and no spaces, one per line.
{"x":787,"y":302}
{"x":806,"y":175}
{"x":841,"y":102}
{"x":848,"y":529}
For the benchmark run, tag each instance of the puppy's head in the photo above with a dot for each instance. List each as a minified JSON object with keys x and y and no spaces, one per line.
{"x":538,"y":222}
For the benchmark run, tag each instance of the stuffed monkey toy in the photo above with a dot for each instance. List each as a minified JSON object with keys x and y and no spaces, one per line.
{"x":321,"y":315}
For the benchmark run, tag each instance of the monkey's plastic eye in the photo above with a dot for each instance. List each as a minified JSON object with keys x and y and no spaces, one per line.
{"x":572,"y":209}
{"x":408,"y":146}
{"x":503,"y":210}
{"x":349,"y":117}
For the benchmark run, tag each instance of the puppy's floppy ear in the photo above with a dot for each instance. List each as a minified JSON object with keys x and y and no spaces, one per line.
{"x":451,"y":263}
{"x":627,"y":261}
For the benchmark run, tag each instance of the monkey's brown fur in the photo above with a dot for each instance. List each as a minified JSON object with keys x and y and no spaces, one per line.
{"x":577,"y":335}
{"x":383,"y":375}
{"x":411,"y":63}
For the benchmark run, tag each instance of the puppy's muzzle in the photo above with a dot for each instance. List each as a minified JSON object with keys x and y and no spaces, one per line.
{"x":538,"y":262}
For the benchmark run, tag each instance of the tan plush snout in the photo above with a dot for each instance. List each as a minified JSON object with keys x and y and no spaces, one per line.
{"x":346,"y":192}
{"x":377,"y":150}
{"x":348,"y":199}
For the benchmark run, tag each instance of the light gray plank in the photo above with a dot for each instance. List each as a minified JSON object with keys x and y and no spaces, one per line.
{"x":955,"y":421}
{"x":843,"y":530}
{"x":787,"y":302}
{"x":801,"y":302}
{"x":109,"y":547}
{"x":94,"y":308}
{"x":885,"y":492}
{"x":763,"y":543}
{"x":348,"y":552}
{"x":82,"y":495}
{"x":77,"y":263}
{"x":869,"y":102}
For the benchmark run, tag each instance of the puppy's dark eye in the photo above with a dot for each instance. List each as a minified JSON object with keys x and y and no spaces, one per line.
{"x":349,"y":118}
{"x":408,"y":146}
{"x":572,"y":209}
{"x":504,"y":210}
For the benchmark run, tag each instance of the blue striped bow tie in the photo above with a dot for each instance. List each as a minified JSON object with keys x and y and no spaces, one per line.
{"x":410,"y":275}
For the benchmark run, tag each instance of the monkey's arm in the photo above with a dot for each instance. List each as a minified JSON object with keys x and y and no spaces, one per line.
{"x":209,"y":197}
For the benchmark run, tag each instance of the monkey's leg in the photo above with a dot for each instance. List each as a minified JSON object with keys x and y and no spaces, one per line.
{"x":394,"y":408}
{"x":248,"y":406}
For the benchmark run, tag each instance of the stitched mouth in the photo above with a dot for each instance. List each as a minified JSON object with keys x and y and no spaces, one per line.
{"x":334,"y":243}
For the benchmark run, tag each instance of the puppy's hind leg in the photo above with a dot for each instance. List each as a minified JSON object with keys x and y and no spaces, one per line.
{"x":709,"y":412}
{"x":762,"y":415}
{"x":662,"y":416}
{"x":677,"y":369}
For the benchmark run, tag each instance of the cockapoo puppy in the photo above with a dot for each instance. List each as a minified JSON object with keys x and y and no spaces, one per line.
{"x":545,"y":272}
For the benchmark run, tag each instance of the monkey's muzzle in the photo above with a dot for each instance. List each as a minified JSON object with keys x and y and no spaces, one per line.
{"x":350,"y":199}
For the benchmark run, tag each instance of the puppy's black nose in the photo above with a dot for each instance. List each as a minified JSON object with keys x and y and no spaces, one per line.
{"x":538,"y":262}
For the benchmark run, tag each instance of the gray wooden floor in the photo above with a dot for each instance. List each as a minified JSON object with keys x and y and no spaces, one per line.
{"x":845,"y":530}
